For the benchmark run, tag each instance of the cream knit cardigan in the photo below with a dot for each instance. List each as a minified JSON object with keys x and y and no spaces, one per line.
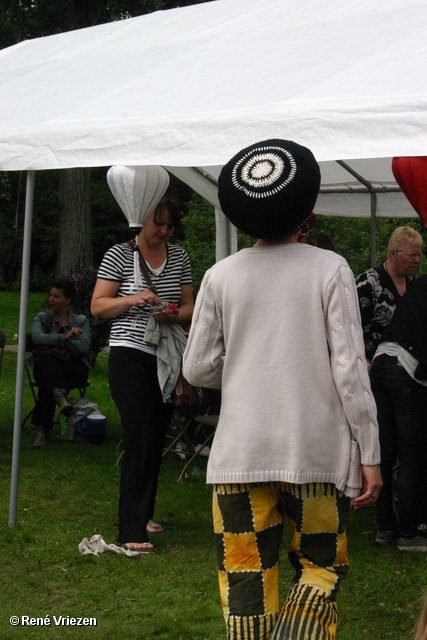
{"x":296,"y":399}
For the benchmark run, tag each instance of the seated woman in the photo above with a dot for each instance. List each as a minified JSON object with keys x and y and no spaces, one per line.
{"x":61,"y":342}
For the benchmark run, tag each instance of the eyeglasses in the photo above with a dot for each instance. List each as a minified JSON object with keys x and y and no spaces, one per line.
{"x":412,"y":256}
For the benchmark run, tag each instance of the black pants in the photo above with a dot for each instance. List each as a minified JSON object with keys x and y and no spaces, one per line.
{"x":401,"y":406}
{"x":134,"y":386}
{"x":51,"y":373}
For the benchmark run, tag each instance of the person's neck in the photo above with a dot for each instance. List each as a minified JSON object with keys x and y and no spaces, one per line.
{"x":62,"y":317}
{"x":154,"y":256}
{"x":392,"y":271}
{"x":149,"y":250}
{"x":269,"y":243}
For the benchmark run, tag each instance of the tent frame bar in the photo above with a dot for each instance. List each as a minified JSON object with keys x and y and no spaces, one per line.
{"x":359,"y":188}
{"x":373,"y":194}
{"x":364,"y":184}
{"x":22,"y":334}
{"x":206,"y":176}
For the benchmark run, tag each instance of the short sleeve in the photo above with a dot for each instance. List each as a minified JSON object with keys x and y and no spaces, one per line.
{"x":113,"y":264}
{"x":186,"y":270}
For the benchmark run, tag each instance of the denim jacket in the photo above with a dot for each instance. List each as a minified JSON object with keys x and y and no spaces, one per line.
{"x":79,"y":346}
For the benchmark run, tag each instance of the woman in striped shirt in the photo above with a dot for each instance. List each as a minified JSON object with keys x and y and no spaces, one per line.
{"x":132,"y":370}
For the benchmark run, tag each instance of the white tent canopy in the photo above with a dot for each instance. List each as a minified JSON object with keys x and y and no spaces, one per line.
{"x":190,"y":87}
{"x":187,"y":88}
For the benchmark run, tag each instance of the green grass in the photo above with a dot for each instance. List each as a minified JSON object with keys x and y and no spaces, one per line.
{"x":69,"y":490}
{"x":9,"y":320}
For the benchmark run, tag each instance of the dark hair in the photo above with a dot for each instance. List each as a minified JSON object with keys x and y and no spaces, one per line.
{"x":66,"y":284}
{"x":170,"y":203}
{"x":320,"y":239}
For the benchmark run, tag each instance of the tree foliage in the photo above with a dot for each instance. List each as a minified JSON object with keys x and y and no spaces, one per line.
{"x":75,"y":219}
{"x":25,"y":19}
{"x":84,"y":278}
{"x":44,"y":245}
{"x":352,"y":238}
{"x":199,"y":232}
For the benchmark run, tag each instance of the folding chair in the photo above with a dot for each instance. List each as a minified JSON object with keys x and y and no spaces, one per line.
{"x":177,"y":432}
{"x":206,"y":420}
{"x":179,"y":426}
{"x":28,"y":366}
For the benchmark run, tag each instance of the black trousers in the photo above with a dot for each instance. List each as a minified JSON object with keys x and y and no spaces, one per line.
{"x":401,"y":407}
{"x":51,"y":373}
{"x":134,"y":386}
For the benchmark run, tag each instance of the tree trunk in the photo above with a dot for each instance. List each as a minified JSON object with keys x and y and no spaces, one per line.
{"x":75,"y":220}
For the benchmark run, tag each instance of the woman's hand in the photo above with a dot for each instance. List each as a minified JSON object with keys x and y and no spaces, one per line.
{"x":372,"y":483}
{"x":170,"y":316}
{"x":74,"y":332}
{"x":180,"y":312}
{"x":144,"y":298}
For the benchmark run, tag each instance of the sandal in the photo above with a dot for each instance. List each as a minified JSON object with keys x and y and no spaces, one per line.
{"x":139,"y":547}
{"x":154,"y":527}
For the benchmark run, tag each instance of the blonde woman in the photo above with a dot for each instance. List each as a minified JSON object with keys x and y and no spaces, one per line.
{"x":380,"y":288}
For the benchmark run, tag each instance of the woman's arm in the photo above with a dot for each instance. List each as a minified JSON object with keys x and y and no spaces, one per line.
{"x":186,"y":304}
{"x":38,"y":332}
{"x":348,"y":366}
{"x":202,"y":362}
{"x":365,"y":286}
{"x":78,"y":338}
{"x":105,"y":304}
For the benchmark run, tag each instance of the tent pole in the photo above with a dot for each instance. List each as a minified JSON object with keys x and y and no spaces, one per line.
{"x":371,"y":190}
{"x":226,"y":236}
{"x":373,"y":229}
{"x":25,"y":278}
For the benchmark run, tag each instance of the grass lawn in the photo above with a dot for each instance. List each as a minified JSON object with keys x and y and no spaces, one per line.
{"x":69,"y":490}
{"x":9,"y":316}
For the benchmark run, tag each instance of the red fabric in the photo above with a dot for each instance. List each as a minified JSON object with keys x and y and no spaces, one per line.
{"x":311,"y":220}
{"x":411,"y":176}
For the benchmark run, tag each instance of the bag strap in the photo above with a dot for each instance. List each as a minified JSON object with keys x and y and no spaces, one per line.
{"x":134,"y":246}
{"x":48,"y":325}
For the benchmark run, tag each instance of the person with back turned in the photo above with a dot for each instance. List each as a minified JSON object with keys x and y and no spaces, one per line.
{"x":297,"y":436}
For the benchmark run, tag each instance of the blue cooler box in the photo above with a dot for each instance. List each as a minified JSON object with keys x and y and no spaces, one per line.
{"x":95,"y":428}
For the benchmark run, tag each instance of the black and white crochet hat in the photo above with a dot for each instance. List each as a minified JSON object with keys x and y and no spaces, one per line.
{"x":269,"y":189}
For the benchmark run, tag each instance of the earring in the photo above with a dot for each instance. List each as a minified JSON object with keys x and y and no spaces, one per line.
{"x":307,"y":232}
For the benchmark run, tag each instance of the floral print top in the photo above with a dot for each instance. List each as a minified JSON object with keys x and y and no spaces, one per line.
{"x":378,"y":298}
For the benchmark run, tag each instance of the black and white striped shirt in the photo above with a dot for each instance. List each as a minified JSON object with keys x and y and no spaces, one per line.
{"x":128,"y":329}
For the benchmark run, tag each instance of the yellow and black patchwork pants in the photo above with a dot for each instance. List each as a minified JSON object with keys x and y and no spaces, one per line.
{"x":248,"y":525}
